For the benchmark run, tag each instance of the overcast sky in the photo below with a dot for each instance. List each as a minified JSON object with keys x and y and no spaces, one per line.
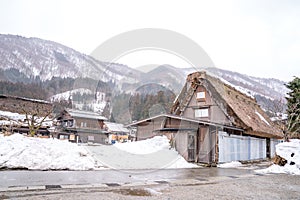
{"x":259,"y":38}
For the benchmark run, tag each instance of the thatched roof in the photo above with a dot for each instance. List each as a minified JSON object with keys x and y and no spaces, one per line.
{"x":242,"y":110}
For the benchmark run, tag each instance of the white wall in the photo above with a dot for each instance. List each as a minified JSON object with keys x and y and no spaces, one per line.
{"x":273,"y":143}
{"x":235,"y":147}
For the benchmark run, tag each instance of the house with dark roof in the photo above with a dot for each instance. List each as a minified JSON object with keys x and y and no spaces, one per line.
{"x":213,"y":122}
{"x":85,"y":126}
{"x":80,"y":126}
{"x":13,"y":112}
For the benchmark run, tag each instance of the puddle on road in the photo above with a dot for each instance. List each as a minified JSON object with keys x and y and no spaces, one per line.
{"x":133,"y":192}
{"x":138,"y":192}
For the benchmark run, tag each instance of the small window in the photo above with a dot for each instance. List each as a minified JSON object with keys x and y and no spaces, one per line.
{"x":203,"y":112}
{"x":70,"y":123}
{"x":200,"y":95}
{"x":91,"y":138}
{"x":63,"y":137}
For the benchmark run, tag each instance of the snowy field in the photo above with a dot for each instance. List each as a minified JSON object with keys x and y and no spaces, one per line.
{"x":154,"y":153}
{"x":17,"y":151}
{"x":233,"y":164}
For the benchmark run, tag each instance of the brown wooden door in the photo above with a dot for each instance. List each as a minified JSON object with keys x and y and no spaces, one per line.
{"x":192,"y":141}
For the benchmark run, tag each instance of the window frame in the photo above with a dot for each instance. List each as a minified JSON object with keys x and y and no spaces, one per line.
{"x":199,"y":112}
{"x":201,"y":96}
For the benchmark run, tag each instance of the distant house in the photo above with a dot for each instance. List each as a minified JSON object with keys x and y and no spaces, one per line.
{"x":86,"y":126}
{"x":80,"y":126}
{"x":212,"y":122}
{"x":117,"y":132}
{"x":13,"y":110}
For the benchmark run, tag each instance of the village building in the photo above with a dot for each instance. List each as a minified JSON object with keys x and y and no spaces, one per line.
{"x":13,"y":112}
{"x":88,"y":127}
{"x":212,"y":122}
{"x":117,"y":132}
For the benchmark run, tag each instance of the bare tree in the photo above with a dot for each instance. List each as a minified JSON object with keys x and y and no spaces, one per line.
{"x":34,"y":118}
{"x":293,"y":122}
{"x":290,"y":125}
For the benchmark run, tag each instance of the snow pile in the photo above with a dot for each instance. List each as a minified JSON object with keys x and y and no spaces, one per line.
{"x":148,"y":146}
{"x":289,"y":151}
{"x":154,"y":153}
{"x":232,"y":164}
{"x":18,"y":151}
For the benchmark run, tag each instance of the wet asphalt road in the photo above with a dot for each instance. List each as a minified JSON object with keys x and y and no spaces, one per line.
{"x":33,"y":178}
{"x":208,"y":183}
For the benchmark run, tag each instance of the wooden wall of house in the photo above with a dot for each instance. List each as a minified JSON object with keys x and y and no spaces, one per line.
{"x":87,"y":137}
{"x":215,"y":115}
{"x":145,"y":130}
{"x":88,"y":123}
{"x":176,"y":123}
{"x":179,"y":141}
{"x":207,"y":144}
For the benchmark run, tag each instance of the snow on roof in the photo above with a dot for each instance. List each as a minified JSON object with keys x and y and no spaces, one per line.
{"x":114,"y":127}
{"x":238,"y":88}
{"x":262,"y":118}
{"x":26,"y":99}
{"x":15,"y":118}
{"x":241,"y":104}
{"x":11,"y":115}
{"x":85,"y":114}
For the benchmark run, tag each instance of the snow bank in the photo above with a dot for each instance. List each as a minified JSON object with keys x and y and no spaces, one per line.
{"x":232,"y":164}
{"x":147,"y":146}
{"x":155,"y":152}
{"x":18,"y":151}
{"x":289,"y":151}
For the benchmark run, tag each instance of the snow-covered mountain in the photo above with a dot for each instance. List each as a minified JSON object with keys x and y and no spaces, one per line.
{"x":174,"y":78}
{"x":36,"y":57}
{"x":32,"y":57}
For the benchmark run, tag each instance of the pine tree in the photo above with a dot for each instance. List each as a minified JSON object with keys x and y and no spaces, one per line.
{"x":293,"y":110}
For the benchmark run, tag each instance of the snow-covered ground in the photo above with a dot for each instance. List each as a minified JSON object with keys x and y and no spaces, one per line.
{"x":233,"y":164}
{"x":18,"y":151}
{"x":145,"y":146}
{"x":154,"y":153}
{"x":289,"y":151}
